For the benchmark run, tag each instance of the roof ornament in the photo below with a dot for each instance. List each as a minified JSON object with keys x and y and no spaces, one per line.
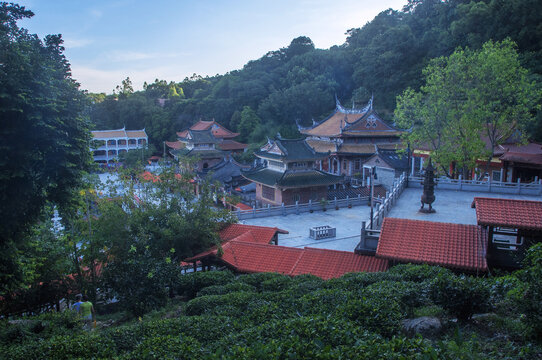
{"x":279,"y":137}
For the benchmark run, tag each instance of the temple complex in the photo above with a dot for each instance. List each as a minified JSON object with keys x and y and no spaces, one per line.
{"x":208,"y":141}
{"x":356,"y":139}
{"x":108,"y":144}
{"x":290,"y":172}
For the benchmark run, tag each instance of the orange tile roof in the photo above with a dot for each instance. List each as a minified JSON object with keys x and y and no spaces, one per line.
{"x":328,"y":264}
{"x":246,"y":249}
{"x":176,"y":145}
{"x":218,"y":131}
{"x":241,"y":232}
{"x":322,"y":146}
{"x":332,"y":125}
{"x":456,"y":246}
{"x":182,"y":134}
{"x":232,"y":145}
{"x":251,"y":258}
{"x":119,"y":133}
{"x":520,"y":214}
{"x":107,"y":134}
{"x":136,"y":133}
{"x":242,"y":206}
{"x":357,"y":148}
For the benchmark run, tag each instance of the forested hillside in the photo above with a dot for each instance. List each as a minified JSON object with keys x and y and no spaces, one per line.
{"x":298,"y":82}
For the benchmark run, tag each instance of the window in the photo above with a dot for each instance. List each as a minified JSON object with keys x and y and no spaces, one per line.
{"x":496,"y":175}
{"x":268,"y":192}
{"x":344,"y":164}
{"x":357,"y":164}
{"x":298,"y":165}
{"x":274,"y":163}
{"x":296,"y":197}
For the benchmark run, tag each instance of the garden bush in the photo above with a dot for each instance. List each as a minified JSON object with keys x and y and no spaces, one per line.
{"x":190,"y":284}
{"x":210,"y":303}
{"x":257,"y":280}
{"x":461,"y":296}
{"x":225,"y":289}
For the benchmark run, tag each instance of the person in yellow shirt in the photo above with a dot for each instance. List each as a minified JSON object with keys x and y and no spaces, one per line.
{"x":87,"y":311}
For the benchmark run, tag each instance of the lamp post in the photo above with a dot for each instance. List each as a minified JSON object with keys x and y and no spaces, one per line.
{"x":372,"y":177}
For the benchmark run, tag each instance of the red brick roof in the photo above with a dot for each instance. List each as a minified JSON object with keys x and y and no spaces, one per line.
{"x":218,"y":130}
{"x":232,"y":145}
{"x":329,"y":264}
{"x":450,"y":245}
{"x":520,"y":214}
{"x":243,"y":233}
{"x":246,"y":249}
{"x":250,"y":257}
{"x":176,"y":145}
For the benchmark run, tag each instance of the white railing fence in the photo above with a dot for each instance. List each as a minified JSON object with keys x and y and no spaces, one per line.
{"x":301,"y":208}
{"x":384,"y":205}
{"x":499,"y":187}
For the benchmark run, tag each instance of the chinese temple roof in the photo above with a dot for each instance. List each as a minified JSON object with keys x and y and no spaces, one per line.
{"x":201,"y":153}
{"x":199,"y":137}
{"x":352,"y":122}
{"x":519,"y":214}
{"x":456,"y":246}
{"x":291,"y":179}
{"x":218,"y":130}
{"x":225,"y":171}
{"x":289,"y":150}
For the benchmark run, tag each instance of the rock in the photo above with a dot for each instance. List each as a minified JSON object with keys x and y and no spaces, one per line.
{"x":425,"y":326}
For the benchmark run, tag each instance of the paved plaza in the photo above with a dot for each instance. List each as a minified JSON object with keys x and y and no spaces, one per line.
{"x":451,"y":206}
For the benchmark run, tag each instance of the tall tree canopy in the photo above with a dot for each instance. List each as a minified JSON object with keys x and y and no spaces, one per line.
{"x":471,"y":102}
{"x":43,"y":138}
{"x":298,"y":82}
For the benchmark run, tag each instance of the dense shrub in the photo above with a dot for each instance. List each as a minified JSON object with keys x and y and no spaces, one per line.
{"x":225,"y":289}
{"x":417,"y":273}
{"x":257,"y":280}
{"x":461,"y":296}
{"x":190,"y":284}
{"x":407,"y":294}
{"x":375,"y":315}
{"x":529,"y":294}
{"x":233,"y":304}
{"x":172,"y":346}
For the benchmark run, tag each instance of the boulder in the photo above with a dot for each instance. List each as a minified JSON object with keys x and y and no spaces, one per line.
{"x":425,"y":326}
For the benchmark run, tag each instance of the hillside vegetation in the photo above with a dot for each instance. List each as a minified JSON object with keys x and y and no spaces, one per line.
{"x":271,"y":316}
{"x":299,"y":82}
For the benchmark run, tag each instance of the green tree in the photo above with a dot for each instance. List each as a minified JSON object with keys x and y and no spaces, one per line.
{"x":44,"y":139}
{"x":249,"y":123}
{"x":468,"y":97}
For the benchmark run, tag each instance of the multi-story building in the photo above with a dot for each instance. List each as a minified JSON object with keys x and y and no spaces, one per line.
{"x":356,"y":139}
{"x":108,"y":144}
{"x":290,"y":173}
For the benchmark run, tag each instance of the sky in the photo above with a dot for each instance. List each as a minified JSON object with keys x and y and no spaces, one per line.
{"x":109,"y":40}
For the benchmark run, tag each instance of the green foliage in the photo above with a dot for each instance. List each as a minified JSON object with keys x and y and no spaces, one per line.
{"x":468,"y":96}
{"x":529,"y":295}
{"x":462,"y":296}
{"x":44,"y":137}
{"x":270,"y":316}
{"x":190,"y":284}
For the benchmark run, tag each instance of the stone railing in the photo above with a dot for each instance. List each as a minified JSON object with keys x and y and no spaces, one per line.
{"x":384,"y":205}
{"x":499,"y":187}
{"x":301,"y":208}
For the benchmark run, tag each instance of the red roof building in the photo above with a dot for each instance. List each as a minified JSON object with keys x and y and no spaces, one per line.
{"x":247,"y":249}
{"x":456,"y":246}
{"x":512,"y":227}
{"x":519,"y":214}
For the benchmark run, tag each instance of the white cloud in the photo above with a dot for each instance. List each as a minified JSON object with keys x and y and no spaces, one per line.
{"x":127,"y":56}
{"x":70,"y":43}
{"x":96,"y":13}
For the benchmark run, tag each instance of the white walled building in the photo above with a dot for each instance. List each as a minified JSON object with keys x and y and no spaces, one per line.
{"x":108,"y":144}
